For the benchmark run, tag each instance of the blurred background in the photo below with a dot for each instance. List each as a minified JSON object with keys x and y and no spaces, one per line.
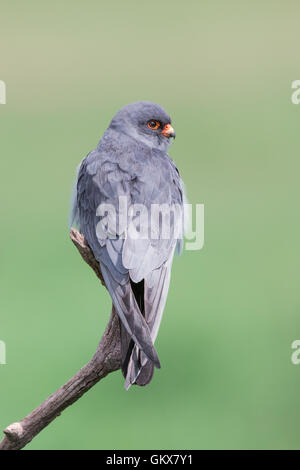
{"x":223,"y":70}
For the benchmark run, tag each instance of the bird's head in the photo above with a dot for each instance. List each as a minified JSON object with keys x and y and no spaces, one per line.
{"x":146,"y":122}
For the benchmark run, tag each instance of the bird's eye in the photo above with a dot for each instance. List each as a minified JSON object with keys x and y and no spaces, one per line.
{"x":153,"y":124}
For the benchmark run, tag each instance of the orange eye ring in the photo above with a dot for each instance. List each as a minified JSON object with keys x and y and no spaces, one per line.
{"x":153,"y":125}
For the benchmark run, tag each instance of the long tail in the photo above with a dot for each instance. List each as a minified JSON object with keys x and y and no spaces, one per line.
{"x":136,"y":367}
{"x":150,"y":294}
{"x":130,"y":315}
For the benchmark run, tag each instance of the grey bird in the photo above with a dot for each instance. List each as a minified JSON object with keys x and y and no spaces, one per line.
{"x":131,"y":161}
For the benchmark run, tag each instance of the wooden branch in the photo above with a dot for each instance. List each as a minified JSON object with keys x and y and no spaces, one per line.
{"x":106,"y":359}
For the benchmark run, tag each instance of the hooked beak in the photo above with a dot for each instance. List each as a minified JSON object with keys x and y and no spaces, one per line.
{"x":168,"y":131}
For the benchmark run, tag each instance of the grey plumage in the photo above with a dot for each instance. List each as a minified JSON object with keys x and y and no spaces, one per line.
{"x":131,"y":160}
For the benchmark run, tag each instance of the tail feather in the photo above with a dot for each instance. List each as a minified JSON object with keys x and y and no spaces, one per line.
{"x":150,"y":295}
{"x":136,"y":367}
{"x":146,"y":374}
{"x":129,"y":313}
{"x":139,"y":371}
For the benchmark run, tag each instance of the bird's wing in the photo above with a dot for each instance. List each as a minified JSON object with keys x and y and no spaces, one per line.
{"x":150,"y":260}
{"x":102,"y":179}
{"x":159,"y":190}
{"x":101,"y":182}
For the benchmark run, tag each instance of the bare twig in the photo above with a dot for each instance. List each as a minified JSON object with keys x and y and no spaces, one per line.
{"x":105,"y":360}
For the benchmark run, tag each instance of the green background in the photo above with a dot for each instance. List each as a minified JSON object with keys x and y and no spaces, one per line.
{"x":223,"y":70}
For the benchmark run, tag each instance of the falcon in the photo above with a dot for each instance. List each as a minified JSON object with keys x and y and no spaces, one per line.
{"x":118,"y":186}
